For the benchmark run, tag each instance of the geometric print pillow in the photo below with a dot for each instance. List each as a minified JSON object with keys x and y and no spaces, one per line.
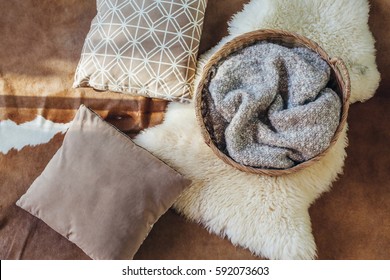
{"x":143,"y":47}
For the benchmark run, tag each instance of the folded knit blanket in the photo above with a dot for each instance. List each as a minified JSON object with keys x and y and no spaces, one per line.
{"x":269,"y":105}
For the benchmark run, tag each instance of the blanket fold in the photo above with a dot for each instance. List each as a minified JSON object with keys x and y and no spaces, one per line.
{"x":271,"y":107}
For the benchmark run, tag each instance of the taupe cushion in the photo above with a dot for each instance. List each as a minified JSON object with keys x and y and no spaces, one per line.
{"x":143,"y":47}
{"x":101,"y":191}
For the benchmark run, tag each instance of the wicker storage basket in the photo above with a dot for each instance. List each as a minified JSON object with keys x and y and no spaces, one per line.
{"x":339,"y":82}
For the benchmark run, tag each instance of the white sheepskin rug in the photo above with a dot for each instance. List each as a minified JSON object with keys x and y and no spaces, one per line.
{"x":267,"y":215}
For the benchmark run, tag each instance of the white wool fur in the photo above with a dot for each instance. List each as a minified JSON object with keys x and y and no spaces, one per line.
{"x":267,"y":215}
{"x":340,"y":27}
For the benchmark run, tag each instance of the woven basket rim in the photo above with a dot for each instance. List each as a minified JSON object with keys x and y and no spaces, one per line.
{"x":282,"y":37}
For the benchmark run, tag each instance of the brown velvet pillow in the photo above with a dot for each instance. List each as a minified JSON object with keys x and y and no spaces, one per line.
{"x":143,"y":47}
{"x":102,"y":191}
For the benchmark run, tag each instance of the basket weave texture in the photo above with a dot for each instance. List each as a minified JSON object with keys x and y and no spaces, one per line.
{"x":339,"y":81}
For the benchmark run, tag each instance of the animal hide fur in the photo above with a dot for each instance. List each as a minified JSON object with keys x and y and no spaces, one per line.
{"x":268,"y":215}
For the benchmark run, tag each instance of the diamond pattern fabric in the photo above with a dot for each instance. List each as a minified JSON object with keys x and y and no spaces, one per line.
{"x":143,"y":47}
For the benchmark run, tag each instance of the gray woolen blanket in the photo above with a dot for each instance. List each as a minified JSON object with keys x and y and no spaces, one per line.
{"x":270,"y":107}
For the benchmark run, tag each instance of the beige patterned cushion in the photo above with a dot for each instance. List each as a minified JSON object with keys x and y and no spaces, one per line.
{"x":143,"y":47}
